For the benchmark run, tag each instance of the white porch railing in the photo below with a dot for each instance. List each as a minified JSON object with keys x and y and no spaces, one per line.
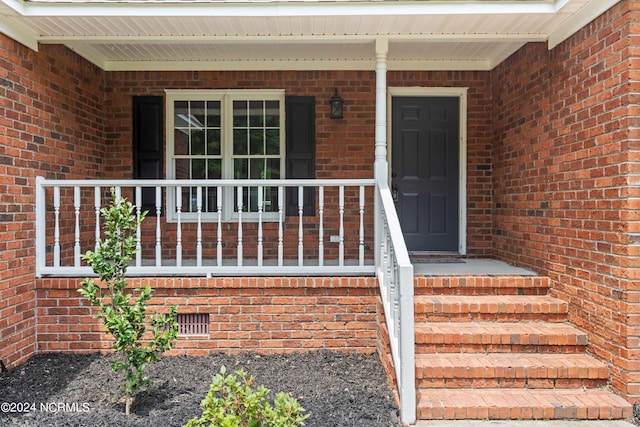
{"x":395,"y":276}
{"x":219,"y":227}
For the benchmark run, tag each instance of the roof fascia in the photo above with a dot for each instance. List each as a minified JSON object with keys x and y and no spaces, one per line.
{"x":282,"y":9}
{"x":581,"y":18}
{"x":18,"y":33}
{"x":355,"y":38}
{"x":294,"y":65}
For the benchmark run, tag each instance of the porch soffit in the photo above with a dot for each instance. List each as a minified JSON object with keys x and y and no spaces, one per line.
{"x":303,"y":34}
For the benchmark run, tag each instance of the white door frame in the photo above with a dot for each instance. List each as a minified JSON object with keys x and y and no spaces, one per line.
{"x":425,"y":92}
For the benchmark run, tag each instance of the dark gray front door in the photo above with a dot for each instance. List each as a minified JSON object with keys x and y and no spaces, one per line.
{"x":425,"y":170}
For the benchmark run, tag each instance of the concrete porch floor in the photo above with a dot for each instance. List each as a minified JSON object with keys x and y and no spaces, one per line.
{"x":468,"y":266}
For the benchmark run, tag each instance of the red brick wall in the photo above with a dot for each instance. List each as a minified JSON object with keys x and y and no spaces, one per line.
{"x":50,"y":125}
{"x":565,"y":177}
{"x":266,"y":315}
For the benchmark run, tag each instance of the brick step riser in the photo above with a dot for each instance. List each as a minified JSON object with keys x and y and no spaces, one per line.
{"x":520,"y":413}
{"x":482,"y":285}
{"x":498,"y":348}
{"x":490,"y":317}
{"x":559,"y":383}
{"x":520,"y":404}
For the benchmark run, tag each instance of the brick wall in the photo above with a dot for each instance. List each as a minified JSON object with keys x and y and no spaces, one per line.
{"x":50,"y":125}
{"x":565,"y":175}
{"x":266,"y":315}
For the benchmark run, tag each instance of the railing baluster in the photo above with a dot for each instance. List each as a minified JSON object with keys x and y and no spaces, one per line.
{"x":96,"y":207}
{"x":280,"y":220}
{"x":240,"y":249}
{"x":178,"y":226}
{"x":199,"y":226}
{"x":158,"y":229}
{"x":260,"y":189}
{"x":219,"y":244}
{"x":138,"y":230}
{"x":56,"y":232}
{"x":300,"y":228}
{"x":396,"y":299}
{"x":321,"y":226}
{"x":341,"y":244}
{"x":361,"y":243}
{"x":76,"y":209}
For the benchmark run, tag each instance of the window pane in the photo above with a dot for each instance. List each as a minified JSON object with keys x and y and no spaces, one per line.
{"x":213,"y":114}
{"x":240,"y":142}
{"x":240,"y":169}
{"x":214,"y":169}
{"x":181,"y":141}
{"x":181,"y":114}
{"x":197,"y":117}
{"x":183,"y":169}
{"x":272,"y":114}
{"x":257,"y":169}
{"x":210,"y":199}
{"x":273,"y":141}
{"x":240,"y":114}
{"x":213,"y":142}
{"x":272,"y":170}
{"x":186,"y":199}
{"x":256,"y":141}
{"x":197,"y":142}
{"x":198,"y":169}
{"x":256,"y":113}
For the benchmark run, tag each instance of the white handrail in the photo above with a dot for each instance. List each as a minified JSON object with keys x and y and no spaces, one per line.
{"x":395,"y":276}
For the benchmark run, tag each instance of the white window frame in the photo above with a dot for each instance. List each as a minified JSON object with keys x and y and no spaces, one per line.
{"x":226,"y":98}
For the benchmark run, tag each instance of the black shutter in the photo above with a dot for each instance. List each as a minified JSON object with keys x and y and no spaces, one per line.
{"x":301,"y":150}
{"x":148,"y":115}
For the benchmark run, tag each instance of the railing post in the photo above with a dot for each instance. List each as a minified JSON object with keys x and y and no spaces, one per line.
{"x":407,"y":345}
{"x":41,"y":238}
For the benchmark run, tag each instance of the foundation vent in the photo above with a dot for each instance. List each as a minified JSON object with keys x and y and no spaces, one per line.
{"x":193,"y":324}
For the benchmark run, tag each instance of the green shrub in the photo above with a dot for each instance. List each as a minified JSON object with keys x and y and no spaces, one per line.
{"x":232,"y":402}
{"x":123,"y":311}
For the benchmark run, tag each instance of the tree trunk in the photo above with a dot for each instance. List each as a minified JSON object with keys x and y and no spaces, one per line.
{"x":127,"y":405}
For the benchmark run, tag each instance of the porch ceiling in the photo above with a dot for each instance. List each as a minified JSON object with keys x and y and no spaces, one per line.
{"x":287,"y":34}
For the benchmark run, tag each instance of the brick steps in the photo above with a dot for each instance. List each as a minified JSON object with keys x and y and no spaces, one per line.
{"x":509,"y":370}
{"x":498,"y":308}
{"x":517,"y":404}
{"x":499,"y":347}
{"x":480,"y":337}
{"x":481,"y":285}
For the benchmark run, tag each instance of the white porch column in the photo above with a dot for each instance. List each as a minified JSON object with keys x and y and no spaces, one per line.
{"x":380,"y":167}
{"x":381,"y":170}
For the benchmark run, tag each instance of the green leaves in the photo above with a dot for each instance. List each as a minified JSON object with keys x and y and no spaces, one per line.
{"x":232,"y":402}
{"x":123,"y":311}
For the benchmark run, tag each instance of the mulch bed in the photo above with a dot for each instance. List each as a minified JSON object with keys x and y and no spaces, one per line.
{"x":338,"y":390}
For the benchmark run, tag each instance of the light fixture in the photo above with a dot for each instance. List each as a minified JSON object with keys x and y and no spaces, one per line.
{"x":336,"y":104}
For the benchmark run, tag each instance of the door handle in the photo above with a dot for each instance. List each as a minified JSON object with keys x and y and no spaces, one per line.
{"x":394,"y":192}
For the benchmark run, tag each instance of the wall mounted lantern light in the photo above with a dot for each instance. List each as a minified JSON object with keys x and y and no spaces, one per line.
{"x":336,"y":104}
